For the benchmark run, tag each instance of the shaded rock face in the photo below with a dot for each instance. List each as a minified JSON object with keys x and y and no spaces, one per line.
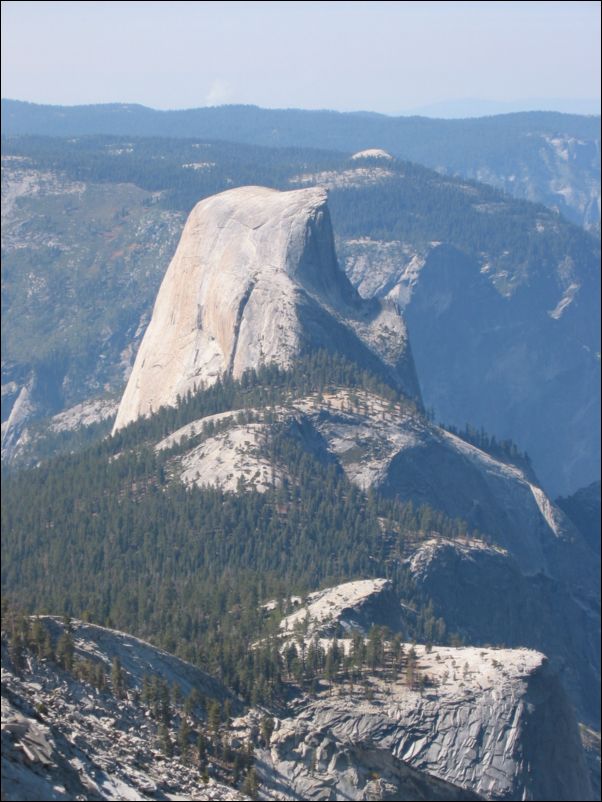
{"x":81,"y":262}
{"x":137,"y":658}
{"x":499,"y":748}
{"x":493,"y":722}
{"x":583,"y":508}
{"x":351,"y":606}
{"x":255,"y":280}
{"x":489,"y":722}
{"x":535,"y":373}
{"x":487,"y":599}
{"x":501,"y":342}
{"x":562,"y":177}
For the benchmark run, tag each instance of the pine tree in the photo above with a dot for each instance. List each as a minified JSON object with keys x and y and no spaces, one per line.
{"x":201,"y":750}
{"x":65,"y":650}
{"x":165,"y":742}
{"x":176,"y":695}
{"x":192,"y":702}
{"x":183,"y":736}
{"x":38,"y":636}
{"x":118,"y":681}
{"x":267,"y":728}
{"x":162,"y":703}
{"x":251,"y":786}
{"x":214,"y":716}
{"x":47,"y":650}
{"x":99,"y":677}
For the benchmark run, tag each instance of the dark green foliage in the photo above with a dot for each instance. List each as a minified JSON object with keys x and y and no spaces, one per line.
{"x":421,"y":208}
{"x":267,"y":728}
{"x":264,"y":387}
{"x":250,"y":786}
{"x":183,"y":736}
{"x":504,"y":450}
{"x":65,"y":650}
{"x":118,"y":680}
{"x":160,"y":165}
{"x":104,"y":532}
{"x":499,"y":139}
{"x":165,"y":742}
{"x":214,"y":716}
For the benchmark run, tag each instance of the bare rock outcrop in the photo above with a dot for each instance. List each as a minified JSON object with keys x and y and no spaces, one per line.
{"x":495,"y":723}
{"x":63,"y":738}
{"x":467,"y":722}
{"x":255,"y":280}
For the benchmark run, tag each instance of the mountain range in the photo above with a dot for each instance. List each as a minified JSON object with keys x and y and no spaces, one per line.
{"x":545,"y":157}
{"x":233,"y":457}
{"x":501,"y":296}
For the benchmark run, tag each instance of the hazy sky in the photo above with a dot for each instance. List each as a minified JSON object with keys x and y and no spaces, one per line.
{"x":387,"y":56}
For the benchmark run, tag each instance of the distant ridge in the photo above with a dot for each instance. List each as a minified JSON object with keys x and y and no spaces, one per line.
{"x":521,"y":153}
{"x":478,"y":107}
{"x":255,"y":125}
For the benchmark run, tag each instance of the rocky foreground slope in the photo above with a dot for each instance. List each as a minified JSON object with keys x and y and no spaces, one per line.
{"x":64,"y":738}
{"x":447,"y":723}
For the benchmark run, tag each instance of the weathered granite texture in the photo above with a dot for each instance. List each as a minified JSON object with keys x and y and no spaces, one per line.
{"x":255,"y":280}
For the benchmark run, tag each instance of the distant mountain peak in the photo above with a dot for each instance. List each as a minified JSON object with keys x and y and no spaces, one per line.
{"x":255,"y":280}
{"x":373,"y":153}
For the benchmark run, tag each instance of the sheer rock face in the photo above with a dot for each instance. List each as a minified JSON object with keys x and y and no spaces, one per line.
{"x":351,"y":606}
{"x":255,"y":280}
{"x":506,"y":342}
{"x":505,"y":605}
{"x":487,"y":723}
{"x":495,"y":723}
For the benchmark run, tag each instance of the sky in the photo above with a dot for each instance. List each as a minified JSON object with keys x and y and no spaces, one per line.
{"x":389,"y":57}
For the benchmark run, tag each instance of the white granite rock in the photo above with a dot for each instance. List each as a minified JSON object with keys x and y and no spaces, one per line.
{"x":255,"y":280}
{"x":486,"y":721}
{"x":495,"y":722}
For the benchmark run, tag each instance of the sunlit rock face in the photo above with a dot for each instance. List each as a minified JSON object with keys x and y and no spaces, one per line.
{"x":255,"y":280}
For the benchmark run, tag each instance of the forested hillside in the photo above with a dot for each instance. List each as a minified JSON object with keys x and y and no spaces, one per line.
{"x":90,"y":225}
{"x":111,"y":535}
{"x":541,"y":156}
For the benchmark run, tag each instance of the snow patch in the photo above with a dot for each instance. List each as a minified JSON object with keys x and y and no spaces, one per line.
{"x":373,"y":153}
{"x":566,"y":300}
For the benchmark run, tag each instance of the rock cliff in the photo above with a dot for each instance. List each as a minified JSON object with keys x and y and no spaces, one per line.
{"x":505,"y":341}
{"x":491,"y":722}
{"x":486,"y":598}
{"x":255,"y":280}
{"x":497,"y":723}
